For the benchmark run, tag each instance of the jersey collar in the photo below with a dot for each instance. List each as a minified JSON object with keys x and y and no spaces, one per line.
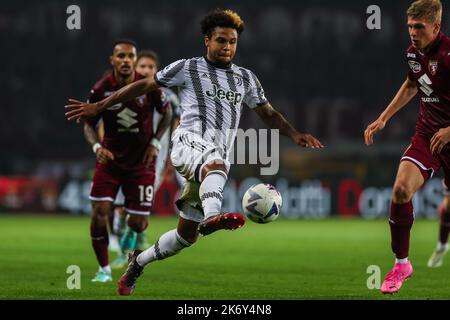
{"x":218,"y":65}
{"x":115,"y":83}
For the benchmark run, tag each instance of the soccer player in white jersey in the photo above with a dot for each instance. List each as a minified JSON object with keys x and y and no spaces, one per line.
{"x":212,"y":91}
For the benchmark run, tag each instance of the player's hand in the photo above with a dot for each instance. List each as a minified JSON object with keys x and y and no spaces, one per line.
{"x":371,"y":129}
{"x":439,"y":140}
{"x":150,"y":156}
{"x":79,"y":110}
{"x":306,"y":140}
{"x":104,"y":155}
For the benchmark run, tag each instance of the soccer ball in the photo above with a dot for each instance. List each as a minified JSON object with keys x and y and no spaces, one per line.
{"x":261,"y":203}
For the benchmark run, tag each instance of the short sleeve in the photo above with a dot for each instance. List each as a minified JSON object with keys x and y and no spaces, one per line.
{"x":254,"y":96}
{"x":172,"y":75}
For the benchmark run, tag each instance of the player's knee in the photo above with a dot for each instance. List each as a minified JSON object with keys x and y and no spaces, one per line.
{"x":188,"y":234}
{"x":401,"y":193}
{"x":120,"y":210}
{"x":101,"y":209}
{"x":190,"y":237}
{"x":213,"y":166}
{"x":138,"y":223}
{"x":446,"y":206}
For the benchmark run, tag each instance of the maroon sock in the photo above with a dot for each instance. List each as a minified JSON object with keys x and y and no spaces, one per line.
{"x":444,"y":225}
{"x":401,"y":221}
{"x":100,"y":241}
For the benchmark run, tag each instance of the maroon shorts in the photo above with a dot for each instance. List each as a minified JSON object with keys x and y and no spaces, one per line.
{"x":419,"y":153}
{"x":136,"y":183}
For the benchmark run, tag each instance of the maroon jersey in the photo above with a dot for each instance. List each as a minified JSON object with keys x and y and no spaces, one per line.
{"x":129,"y":125}
{"x":431,"y":72}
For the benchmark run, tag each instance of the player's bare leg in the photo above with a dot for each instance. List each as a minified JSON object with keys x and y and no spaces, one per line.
{"x":442,"y":247}
{"x":136,"y":224}
{"x":213,"y":178}
{"x":169,"y":244}
{"x":99,"y":236}
{"x":409,"y":179}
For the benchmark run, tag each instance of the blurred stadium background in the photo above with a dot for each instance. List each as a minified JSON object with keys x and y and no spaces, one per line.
{"x":317,"y":61}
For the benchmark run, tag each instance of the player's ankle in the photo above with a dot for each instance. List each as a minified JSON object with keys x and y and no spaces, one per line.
{"x":402,"y":260}
{"x":442,"y":246}
{"x":106,"y":269}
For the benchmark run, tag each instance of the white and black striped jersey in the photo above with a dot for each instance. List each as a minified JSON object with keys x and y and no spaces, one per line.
{"x":211,"y":97}
{"x":171,"y":97}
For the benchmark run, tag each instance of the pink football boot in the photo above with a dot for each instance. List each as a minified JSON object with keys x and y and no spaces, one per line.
{"x":394,"y":279}
{"x":228,"y":221}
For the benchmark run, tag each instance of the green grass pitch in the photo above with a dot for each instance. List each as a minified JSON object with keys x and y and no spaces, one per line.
{"x":286,"y":259}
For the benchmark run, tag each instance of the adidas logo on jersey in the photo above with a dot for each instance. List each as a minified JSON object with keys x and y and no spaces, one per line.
{"x":233,"y":97}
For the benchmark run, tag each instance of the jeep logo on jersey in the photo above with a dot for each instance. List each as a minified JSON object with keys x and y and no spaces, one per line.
{"x":415,"y":66}
{"x":233,"y":97}
{"x":127,"y":120}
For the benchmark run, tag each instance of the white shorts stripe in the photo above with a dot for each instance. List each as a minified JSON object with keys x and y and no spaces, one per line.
{"x":142,"y":213}
{"x":109,"y":199}
{"x":420,"y":164}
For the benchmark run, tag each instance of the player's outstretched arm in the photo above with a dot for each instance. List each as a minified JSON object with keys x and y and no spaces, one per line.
{"x":406,"y":92}
{"x":79,"y":110}
{"x":275,"y":120}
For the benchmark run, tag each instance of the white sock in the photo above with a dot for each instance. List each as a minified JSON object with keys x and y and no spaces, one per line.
{"x":442,"y":246}
{"x":211,"y":192}
{"x":104,"y":269}
{"x":404,"y":260}
{"x":169,"y":244}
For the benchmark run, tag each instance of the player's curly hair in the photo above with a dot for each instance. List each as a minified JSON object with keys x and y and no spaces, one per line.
{"x":221,"y":18}
{"x":431,"y":10}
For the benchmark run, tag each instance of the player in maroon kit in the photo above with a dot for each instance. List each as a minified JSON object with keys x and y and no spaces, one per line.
{"x":127,"y":153}
{"x":429,"y":62}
